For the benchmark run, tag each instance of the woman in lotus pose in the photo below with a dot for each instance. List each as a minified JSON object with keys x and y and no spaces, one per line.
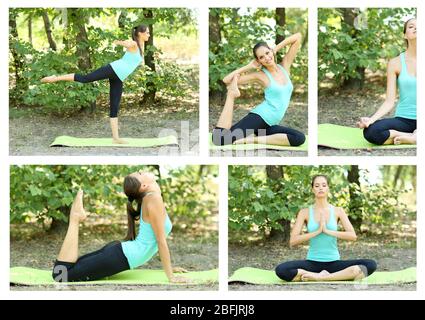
{"x":115,"y":257}
{"x":323,"y":260}
{"x":116,"y":72}
{"x":261,"y":125}
{"x":401,"y":72}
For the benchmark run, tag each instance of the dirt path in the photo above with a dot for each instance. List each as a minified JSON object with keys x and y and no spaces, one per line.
{"x":269,"y":255}
{"x":296,"y":117}
{"x":345,"y":108}
{"x":191,"y":253}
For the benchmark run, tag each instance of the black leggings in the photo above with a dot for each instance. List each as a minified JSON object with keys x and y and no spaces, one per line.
{"x":288,"y":270}
{"x":115,"y":86}
{"x":379,"y":132}
{"x":252,"y":123}
{"x":103,"y":263}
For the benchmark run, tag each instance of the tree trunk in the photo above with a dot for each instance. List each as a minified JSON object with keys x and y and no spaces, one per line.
{"x":354,"y":207}
{"x":122,"y":19}
{"x":276,"y":173}
{"x":30,"y":29}
{"x":216,"y":95}
{"x":397,"y":175}
{"x":18,"y":64}
{"x":280,"y":17}
{"x":349,"y":16}
{"x":48,"y":28}
{"x":149,"y":96}
{"x":64,"y":22}
{"x":79,"y":21}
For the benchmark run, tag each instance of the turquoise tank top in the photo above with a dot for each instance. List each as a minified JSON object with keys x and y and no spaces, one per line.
{"x":276,"y":99}
{"x":127,"y":64}
{"x":323,"y":248}
{"x":406,"y":107}
{"x":144,"y":247}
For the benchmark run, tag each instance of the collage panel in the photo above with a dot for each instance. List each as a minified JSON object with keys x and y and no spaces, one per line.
{"x":367,"y":81}
{"x":322,"y":227}
{"x":104,"y":81}
{"x":114,"y":227}
{"x":258,"y":81}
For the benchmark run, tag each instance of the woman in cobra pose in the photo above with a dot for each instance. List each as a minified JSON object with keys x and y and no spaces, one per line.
{"x":323,"y":260}
{"x":116,"y":72}
{"x":401,"y":73}
{"x":261,"y":125}
{"x":115,"y":257}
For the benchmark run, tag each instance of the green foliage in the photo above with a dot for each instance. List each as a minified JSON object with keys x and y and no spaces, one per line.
{"x":240,"y":31}
{"x":376,"y":37}
{"x":257,"y":202}
{"x":169,"y":78}
{"x":41,"y":193}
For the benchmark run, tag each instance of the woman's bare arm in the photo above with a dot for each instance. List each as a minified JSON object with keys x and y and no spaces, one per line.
{"x":390,"y":98}
{"x":128,"y":44}
{"x":296,"y":237}
{"x":294,"y":41}
{"x":348,"y":233}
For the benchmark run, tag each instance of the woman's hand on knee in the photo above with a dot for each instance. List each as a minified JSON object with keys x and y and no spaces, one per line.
{"x":364,"y":122}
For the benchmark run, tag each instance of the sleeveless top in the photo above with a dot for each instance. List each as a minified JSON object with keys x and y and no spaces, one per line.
{"x":323,"y":248}
{"x":276,"y":99}
{"x":406,"y":107}
{"x":127,"y":64}
{"x":144,"y":247}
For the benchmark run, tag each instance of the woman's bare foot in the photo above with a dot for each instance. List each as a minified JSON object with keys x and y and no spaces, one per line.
{"x":312,"y":276}
{"x":119,"y":141}
{"x":78,"y":213}
{"x":232,"y":88}
{"x":248,"y":140}
{"x":405,"y":139}
{"x":49,"y":79}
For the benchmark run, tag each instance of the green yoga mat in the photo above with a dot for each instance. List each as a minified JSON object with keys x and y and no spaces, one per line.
{"x":260,"y":276}
{"x":303,"y":147}
{"x":30,"y":277}
{"x":67,"y":141}
{"x":340,"y":137}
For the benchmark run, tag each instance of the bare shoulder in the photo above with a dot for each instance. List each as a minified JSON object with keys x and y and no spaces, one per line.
{"x":303,"y":213}
{"x":340,"y":212}
{"x":153,"y":201}
{"x":394,"y":65}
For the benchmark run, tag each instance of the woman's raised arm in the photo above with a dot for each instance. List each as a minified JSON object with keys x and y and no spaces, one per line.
{"x":294,"y":41}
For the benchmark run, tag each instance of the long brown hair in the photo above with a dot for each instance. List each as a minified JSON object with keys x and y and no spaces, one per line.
{"x":141,"y":28}
{"x":405,"y":29}
{"x":132,"y":191}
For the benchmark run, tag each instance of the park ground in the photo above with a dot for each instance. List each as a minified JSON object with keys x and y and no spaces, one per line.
{"x":390,"y":255}
{"x":32,"y":130}
{"x":33,"y":247}
{"x":296,"y":117}
{"x":345,"y":107}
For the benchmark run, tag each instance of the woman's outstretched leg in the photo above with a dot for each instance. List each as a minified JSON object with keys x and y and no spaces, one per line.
{"x":69,"y":250}
{"x":226,"y":117}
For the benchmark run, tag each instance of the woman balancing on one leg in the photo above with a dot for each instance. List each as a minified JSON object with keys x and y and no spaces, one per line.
{"x":261,"y":125}
{"x":401,"y":72}
{"x":323,"y":261}
{"x":115,"y":257}
{"x":116,"y":72}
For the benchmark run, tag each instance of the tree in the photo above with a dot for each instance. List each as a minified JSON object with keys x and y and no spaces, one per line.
{"x":275,"y":173}
{"x":48,"y":28}
{"x":349,"y":17}
{"x":150,"y":90}
{"x":280,"y":17}
{"x":217,"y":92}
{"x":355,"y":205}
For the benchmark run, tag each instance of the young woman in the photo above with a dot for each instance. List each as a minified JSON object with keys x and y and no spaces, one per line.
{"x":401,"y":72}
{"x":116,"y":72}
{"x":323,"y":261}
{"x":115,"y":257}
{"x":261,"y":125}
